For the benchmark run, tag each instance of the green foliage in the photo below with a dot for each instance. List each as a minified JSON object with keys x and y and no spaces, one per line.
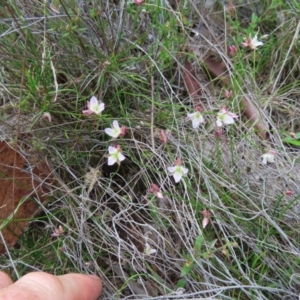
{"x":294,"y":141}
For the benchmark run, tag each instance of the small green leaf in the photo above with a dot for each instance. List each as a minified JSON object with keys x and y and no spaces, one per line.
{"x":198,"y":244}
{"x":181,"y":283}
{"x":187,"y":268}
{"x":290,"y":140}
{"x":254,"y":19}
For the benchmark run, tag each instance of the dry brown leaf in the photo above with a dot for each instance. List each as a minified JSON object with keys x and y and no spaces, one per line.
{"x":18,"y":189}
{"x":91,"y":178}
{"x":192,"y":84}
{"x":252,"y":114}
{"x":217,"y":69}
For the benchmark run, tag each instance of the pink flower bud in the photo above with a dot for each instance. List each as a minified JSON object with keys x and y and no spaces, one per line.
{"x":289,"y":193}
{"x":123,"y":131}
{"x":138,"y":2}
{"x":178,"y":162}
{"x":228,"y":94}
{"x":46,"y":115}
{"x":58,"y":231}
{"x":163,"y":137}
{"x":155,"y":190}
{"x":218,"y":133}
{"x":206,"y":217}
{"x":232,"y":50}
{"x":199,"y":108}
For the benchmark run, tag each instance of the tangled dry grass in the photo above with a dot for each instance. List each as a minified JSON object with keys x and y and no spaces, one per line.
{"x":55,"y":57}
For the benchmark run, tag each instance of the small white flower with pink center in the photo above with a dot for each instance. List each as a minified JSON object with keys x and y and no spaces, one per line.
{"x":177,"y":171}
{"x":225,"y":117}
{"x":269,"y":157}
{"x":196,"y":117}
{"x":149,"y":250}
{"x":115,"y":155}
{"x":251,"y":43}
{"x":94,"y":107}
{"x":115,"y":131}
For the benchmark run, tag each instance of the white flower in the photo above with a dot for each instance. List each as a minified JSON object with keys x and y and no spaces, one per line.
{"x":178,"y":170}
{"x":269,"y":157}
{"x":115,"y":155}
{"x":252,"y":43}
{"x":196,"y":118}
{"x":225,"y":117}
{"x":115,"y":131}
{"x":94,"y":107}
{"x":148,"y":250}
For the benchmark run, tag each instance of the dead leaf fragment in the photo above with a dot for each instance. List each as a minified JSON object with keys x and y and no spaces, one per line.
{"x":91,"y":178}
{"x":192,"y":84}
{"x":19,"y":190}
{"x":217,"y":69}
{"x":253,"y":115}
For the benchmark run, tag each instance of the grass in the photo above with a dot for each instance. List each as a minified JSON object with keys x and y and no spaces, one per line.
{"x":131,"y":58}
